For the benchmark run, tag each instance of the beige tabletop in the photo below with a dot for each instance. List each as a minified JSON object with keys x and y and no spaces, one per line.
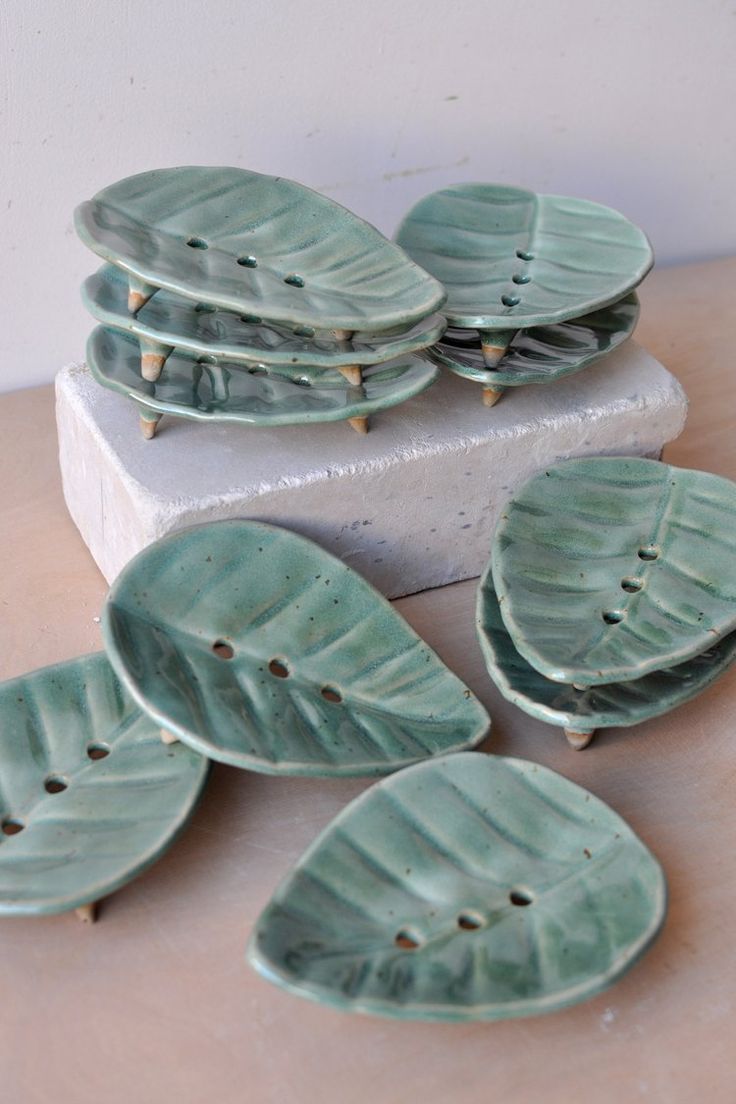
{"x":155,"y":1003}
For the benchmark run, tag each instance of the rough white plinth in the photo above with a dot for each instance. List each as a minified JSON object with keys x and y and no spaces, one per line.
{"x":410,"y":506}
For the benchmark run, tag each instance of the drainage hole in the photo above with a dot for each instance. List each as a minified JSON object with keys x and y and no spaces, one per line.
{"x":521,"y":278}
{"x":197,"y":243}
{"x":55,"y":784}
{"x":98,"y":751}
{"x":304,"y":331}
{"x":330,"y":694}
{"x":247,"y":262}
{"x":630,"y":584}
{"x":204,"y":308}
{"x":520,"y":897}
{"x":11,"y":826}
{"x":648,"y":552}
{"x":293,"y":280}
{"x":524,"y":256}
{"x":223,"y":650}
{"x":406,"y":941}
{"x":613,"y":617}
{"x":469,"y":921}
{"x":510,"y":300}
{"x":251,"y":319}
{"x":278,"y":668}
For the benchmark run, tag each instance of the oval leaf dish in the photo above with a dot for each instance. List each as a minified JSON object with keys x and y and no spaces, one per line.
{"x":259,"y":649}
{"x":90,"y":794}
{"x":474,"y":887}
{"x":609,"y":568}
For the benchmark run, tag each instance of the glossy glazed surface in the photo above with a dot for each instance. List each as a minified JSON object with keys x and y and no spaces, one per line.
{"x":169,"y":319}
{"x":88,"y":824}
{"x":231,"y":392}
{"x":610,"y":568}
{"x":257,"y":244}
{"x":613,"y":705}
{"x":541,"y":354}
{"x":259,"y":649}
{"x":511,"y":259}
{"x":473,"y":887}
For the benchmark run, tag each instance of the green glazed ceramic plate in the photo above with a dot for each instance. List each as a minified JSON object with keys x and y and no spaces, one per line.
{"x":541,"y":354}
{"x":610,"y":568}
{"x":168,"y":320}
{"x":226,"y":391}
{"x":474,"y":887}
{"x":90,"y":795}
{"x":256,"y":244}
{"x":259,"y":649}
{"x":583,"y":711}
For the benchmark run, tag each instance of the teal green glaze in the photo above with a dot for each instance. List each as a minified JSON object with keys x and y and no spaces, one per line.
{"x":610,"y":568}
{"x":511,"y":259}
{"x":227,"y":392}
{"x":438,"y":853}
{"x":256,"y":244}
{"x":169,"y":320}
{"x":325,"y":678}
{"x":117,"y":814}
{"x":541,"y":354}
{"x":618,"y":704}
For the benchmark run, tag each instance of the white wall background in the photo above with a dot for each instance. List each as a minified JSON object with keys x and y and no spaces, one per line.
{"x":375,"y":102}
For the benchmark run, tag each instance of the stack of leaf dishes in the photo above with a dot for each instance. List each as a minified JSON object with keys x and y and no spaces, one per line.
{"x":610,"y":596}
{"x":230,"y":295}
{"x":538,"y":286}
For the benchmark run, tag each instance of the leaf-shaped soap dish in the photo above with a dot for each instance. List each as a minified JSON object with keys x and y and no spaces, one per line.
{"x":256,"y":244}
{"x":609,"y":568}
{"x":259,"y":649}
{"x":511,"y":259}
{"x":473,"y":887}
{"x":90,"y":795}
{"x":541,"y":354}
{"x":168,"y":321}
{"x":581,"y":712}
{"x":210,"y":389}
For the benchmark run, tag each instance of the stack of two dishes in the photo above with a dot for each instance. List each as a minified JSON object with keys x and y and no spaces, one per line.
{"x":232,"y":296}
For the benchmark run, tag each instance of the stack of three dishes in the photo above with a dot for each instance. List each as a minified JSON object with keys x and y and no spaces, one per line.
{"x":232,"y":296}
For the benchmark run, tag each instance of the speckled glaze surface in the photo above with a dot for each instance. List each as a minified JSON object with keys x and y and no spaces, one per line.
{"x":610,"y":568}
{"x":541,"y":354}
{"x":259,"y":649}
{"x":257,"y":244}
{"x":229,"y":392}
{"x":511,"y":259}
{"x":170,"y":320}
{"x":90,"y":792}
{"x":474,"y":887}
{"x":617,"y":704}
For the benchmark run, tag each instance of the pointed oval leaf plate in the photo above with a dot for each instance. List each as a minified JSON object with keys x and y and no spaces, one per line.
{"x":90,"y":794}
{"x":618,"y":704}
{"x":259,"y":649}
{"x":541,"y":354}
{"x":212,"y":390}
{"x":474,"y":887}
{"x":168,"y":320}
{"x":609,"y":568}
{"x":257,"y":244}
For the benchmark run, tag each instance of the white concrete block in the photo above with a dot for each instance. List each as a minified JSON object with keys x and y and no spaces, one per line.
{"x":412,"y":505}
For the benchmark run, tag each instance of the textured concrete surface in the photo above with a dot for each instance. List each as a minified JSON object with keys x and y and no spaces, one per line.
{"x":411,"y":506}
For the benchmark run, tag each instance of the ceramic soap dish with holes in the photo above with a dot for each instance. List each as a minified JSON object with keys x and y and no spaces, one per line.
{"x":615,"y":581}
{"x":90,"y":795}
{"x":473,"y":887}
{"x":513,"y":261}
{"x":257,"y":648}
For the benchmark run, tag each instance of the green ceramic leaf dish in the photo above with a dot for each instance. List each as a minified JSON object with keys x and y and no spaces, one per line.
{"x":259,"y":649}
{"x":90,"y":795}
{"x":256,"y":244}
{"x":541,"y":354}
{"x":471,"y":888}
{"x":581,"y":712}
{"x":168,"y":320}
{"x":610,"y":568}
{"x":228,"y":392}
{"x":511,"y":259}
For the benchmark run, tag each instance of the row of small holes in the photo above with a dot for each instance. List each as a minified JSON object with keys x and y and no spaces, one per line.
{"x":468,"y":921}
{"x":54,"y":784}
{"x":248,"y":262}
{"x":518,"y":278}
{"x":648,"y":553}
{"x":253,"y":320}
{"x":278,"y":669}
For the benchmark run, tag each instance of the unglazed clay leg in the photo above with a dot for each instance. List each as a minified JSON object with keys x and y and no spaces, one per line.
{"x":578,"y":740}
{"x":360,"y":425}
{"x":491,"y":395}
{"x":139,"y":292}
{"x":149,"y":422}
{"x":494,"y":344}
{"x":87,"y":913}
{"x":153,"y":358}
{"x":168,"y":737}
{"x":353,"y":373}
{"x":343,"y":335}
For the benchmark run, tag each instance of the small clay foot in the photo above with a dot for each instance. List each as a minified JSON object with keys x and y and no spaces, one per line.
{"x":151,"y":366}
{"x":139,"y":293}
{"x":343,"y":335}
{"x":87,"y":913}
{"x":149,"y":425}
{"x":168,"y":737}
{"x":578,"y":740}
{"x":352,"y":373}
{"x":360,"y":425}
{"x":491,"y":395}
